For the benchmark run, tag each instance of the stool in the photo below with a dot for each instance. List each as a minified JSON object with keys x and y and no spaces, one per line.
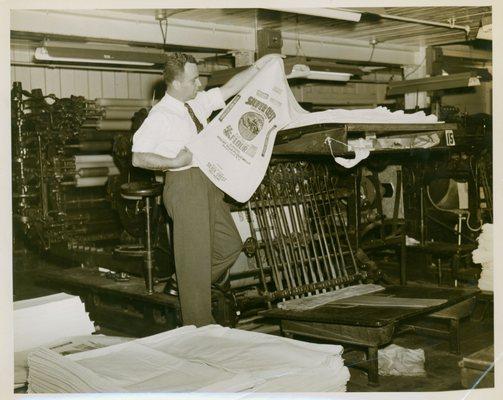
{"x":145,"y":191}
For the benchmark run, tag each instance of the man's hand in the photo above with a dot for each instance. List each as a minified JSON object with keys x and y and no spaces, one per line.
{"x":184,"y":156}
{"x":262,"y":61}
{"x":238,"y":81}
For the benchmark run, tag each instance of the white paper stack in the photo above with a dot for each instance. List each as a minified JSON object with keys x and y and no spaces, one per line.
{"x":484,"y":255}
{"x":190,"y":359}
{"x":46,"y":319}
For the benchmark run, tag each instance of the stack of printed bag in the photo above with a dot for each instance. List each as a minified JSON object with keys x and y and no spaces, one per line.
{"x":190,"y":359}
{"x":43,"y":321}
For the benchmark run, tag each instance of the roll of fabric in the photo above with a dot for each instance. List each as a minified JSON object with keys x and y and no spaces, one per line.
{"x":123,"y":102}
{"x":97,"y":172}
{"x":89,"y":182}
{"x":117,"y":113}
{"x":114,"y":125}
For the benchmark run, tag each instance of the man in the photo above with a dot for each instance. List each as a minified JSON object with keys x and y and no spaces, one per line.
{"x":205,"y":238}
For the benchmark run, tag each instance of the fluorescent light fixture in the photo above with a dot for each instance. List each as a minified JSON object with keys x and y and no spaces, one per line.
{"x":304,"y":72}
{"x":440,"y":82}
{"x":96,"y":53}
{"x":331,"y":13}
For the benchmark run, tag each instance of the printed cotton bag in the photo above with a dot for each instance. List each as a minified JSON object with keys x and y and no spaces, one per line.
{"x":235,"y":148}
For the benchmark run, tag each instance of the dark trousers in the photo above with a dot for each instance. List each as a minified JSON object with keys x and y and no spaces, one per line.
{"x":205,"y":238}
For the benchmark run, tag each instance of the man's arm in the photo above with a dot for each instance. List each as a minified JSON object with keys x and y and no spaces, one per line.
{"x":238,"y":81}
{"x":156,"y":162}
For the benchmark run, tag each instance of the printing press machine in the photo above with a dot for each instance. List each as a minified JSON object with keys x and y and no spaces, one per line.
{"x":315,"y":227}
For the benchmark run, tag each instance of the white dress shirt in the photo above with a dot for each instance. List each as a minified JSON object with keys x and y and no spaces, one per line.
{"x":169,"y":127}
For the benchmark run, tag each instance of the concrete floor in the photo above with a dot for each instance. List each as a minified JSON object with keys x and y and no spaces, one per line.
{"x":442,"y":370}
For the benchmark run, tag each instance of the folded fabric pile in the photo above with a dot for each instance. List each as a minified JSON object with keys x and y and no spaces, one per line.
{"x":370,"y":115}
{"x":483,"y":255}
{"x":190,"y":359}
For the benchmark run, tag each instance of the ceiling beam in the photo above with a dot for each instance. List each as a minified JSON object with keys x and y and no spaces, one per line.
{"x":104,"y":24}
{"x":143,"y":28}
{"x":346,"y":50}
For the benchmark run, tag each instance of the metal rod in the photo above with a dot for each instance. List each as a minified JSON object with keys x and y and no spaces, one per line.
{"x":285,"y":227}
{"x":343,"y":223}
{"x":327,"y":284}
{"x":398,"y":196}
{"x":319,"y":232}
{"x":325,"y":201}
{"x":269,"y":250}
{"x":465,"y":28}
{"x":421,"y":216}
{"x":357,"y":194}
{"x":43,"y":182}
{"x":330,"y":245}
{"x":149,"y":279}
{"x":403,"y":258}
{"x":298,"y":218}
{"x":86,"y":67}
{"x":296,"y":226}
{"x":268,"y":241}
{"x":337,"y":239}
{"x":284,"y":256}
{"x":257,"y":255}
{"x":311,"y":236}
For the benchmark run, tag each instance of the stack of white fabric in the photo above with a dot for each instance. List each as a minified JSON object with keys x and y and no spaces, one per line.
{"x":483,"y":255}
{"x":190,"y":359}
{"x":43,"y":321}
{"x":370,"y":115}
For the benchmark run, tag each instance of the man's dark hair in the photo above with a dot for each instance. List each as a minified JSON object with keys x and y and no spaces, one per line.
{"x":175,"y":63}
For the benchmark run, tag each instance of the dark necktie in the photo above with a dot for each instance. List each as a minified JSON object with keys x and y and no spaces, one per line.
{"x":199,"y":126}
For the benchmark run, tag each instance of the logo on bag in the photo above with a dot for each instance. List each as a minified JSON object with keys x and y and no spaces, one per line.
{"x":250,"y":124}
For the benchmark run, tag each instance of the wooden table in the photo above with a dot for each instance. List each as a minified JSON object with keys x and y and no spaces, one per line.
{"x":122,"y":306}
{"x":365,"y":326}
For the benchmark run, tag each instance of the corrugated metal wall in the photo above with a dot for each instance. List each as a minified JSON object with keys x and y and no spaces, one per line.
{"x":91,"y":84}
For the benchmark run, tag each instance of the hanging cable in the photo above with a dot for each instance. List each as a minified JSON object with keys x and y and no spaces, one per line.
{"x":164,"y":31}
{"x":298,"y":46}
{"x":415,"y":69}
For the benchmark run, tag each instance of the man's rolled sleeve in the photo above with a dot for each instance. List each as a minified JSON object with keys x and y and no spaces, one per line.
{"x":153,"y":137}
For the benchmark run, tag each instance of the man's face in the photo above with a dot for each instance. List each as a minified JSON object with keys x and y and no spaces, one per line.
{"x":189,"y":82}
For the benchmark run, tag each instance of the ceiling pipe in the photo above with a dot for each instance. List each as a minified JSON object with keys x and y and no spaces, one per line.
{"x":332,"y":13}
{"x":465,"y":28}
